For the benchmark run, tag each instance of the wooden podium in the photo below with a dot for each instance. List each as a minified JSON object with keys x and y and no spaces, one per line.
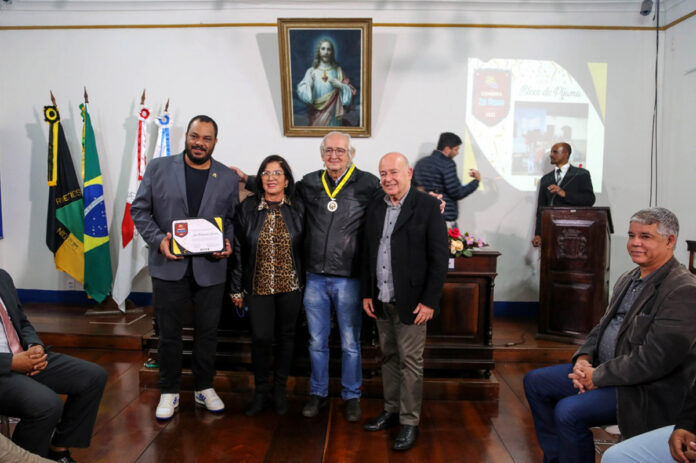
{"x":574,"y":281}
{"x":460,"y":337}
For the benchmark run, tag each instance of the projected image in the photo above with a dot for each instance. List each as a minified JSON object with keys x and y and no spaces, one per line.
{"x":517,"y":110}
{"x":538,"y":126}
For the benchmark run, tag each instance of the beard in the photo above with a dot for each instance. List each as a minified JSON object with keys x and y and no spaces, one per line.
{"x":198,"y":160}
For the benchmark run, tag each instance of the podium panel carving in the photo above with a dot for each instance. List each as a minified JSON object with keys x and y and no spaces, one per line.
{"x":574,"y":280}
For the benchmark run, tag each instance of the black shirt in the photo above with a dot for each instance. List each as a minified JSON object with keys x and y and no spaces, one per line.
{"x":195,"y":186}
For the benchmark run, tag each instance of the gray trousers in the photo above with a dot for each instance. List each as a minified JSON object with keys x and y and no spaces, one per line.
{"x":402,"y":366}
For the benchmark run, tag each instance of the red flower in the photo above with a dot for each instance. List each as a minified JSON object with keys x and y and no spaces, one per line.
{"x":454,"y":233}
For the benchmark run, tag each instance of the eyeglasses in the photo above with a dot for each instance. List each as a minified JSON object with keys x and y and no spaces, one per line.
{"x":275,"y":173}
{"x":337,"y":151}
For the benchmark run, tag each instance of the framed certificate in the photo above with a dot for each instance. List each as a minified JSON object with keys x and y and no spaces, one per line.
{"x":197,"y":236}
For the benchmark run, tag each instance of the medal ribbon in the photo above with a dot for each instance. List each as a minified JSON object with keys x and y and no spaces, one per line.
{"x":333,"y":194}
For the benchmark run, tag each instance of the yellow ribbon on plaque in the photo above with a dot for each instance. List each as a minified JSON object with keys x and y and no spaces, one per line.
{"x":333,"y":205}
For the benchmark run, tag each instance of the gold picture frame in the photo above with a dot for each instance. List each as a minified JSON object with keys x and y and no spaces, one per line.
{"x":326,"y":72}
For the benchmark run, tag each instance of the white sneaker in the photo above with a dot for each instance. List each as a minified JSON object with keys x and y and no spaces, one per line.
{"x":209,"y":399}
{"x":167,"y":406}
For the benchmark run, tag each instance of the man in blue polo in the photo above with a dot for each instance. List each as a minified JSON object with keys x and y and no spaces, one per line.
{"x":437,"y":173}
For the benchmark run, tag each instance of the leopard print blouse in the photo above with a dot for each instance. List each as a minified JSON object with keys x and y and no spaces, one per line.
{"x":275,"y":272}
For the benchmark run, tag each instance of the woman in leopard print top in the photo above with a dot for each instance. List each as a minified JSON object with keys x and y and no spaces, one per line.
{"x":268,"y":270}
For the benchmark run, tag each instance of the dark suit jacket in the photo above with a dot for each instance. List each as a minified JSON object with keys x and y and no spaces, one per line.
{"x":162,"y":199}
{"x":654,"y":361}
{"x":24,"y":329}
{"x":687,"y":416}
{"x":419,"y":254}
{"x":577,"y":185}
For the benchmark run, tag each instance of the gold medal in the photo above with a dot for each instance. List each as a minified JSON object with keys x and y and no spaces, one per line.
{"x":332,"y":206}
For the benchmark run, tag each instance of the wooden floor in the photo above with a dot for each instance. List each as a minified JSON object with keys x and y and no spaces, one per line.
{"x":451,"y":431}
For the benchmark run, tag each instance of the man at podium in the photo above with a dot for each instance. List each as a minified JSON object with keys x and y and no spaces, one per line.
{"x":566,"y":185}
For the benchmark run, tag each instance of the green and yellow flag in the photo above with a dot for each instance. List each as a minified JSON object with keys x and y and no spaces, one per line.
{"x":64,"y":223}
{"x":98,"y":276}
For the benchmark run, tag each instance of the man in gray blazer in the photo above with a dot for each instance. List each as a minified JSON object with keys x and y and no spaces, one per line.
{"x":187,"y":185}
{"x":636,"y":365}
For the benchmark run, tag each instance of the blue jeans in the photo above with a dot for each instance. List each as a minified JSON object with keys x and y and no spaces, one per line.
{"x":649,"y":447}
{"x":562,"y":417}
{"x":343,"y":294}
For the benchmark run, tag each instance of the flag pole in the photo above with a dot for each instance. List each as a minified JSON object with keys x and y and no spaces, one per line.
{"x":133,"y":255}
{"x":107,"y":305}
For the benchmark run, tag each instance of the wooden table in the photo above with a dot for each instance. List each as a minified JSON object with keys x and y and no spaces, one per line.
{"x":460,"y":337}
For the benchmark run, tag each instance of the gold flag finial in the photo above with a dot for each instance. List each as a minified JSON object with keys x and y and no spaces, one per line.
{"x":142,"y":98}
{"x":166,"y":107}
{"x":86,"y":97}
{"x":53,"y":99}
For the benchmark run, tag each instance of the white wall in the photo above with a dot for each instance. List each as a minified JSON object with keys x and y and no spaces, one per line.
{"x":677,"y":137}
{"x":419,"y":90}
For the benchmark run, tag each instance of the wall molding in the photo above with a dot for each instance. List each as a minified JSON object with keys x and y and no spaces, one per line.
{"x":523,"y":14}
{"x":376,"y":24}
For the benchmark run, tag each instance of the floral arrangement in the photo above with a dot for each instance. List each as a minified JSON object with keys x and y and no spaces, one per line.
{"x":461,"y":245}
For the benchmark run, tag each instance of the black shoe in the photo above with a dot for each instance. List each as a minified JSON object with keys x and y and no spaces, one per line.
{"x":280,"y":401}
{"x":258,"y":403}
{"x":61,"y":457}
{"x":67,"y":459}
{"x":406,"y":438}
{"x":383,"y":421}
{"x":314,"y":404}
{"x":353,"y":412}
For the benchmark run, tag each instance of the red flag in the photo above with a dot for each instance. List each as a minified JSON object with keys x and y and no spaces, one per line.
{"x":132,"y":256}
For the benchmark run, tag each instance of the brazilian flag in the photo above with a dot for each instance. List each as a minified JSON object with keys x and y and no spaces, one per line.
{"x":98,"y":276}
{"x":64,"y":223}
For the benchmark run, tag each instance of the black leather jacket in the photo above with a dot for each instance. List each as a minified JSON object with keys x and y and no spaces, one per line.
{"x":332,"y":239}
{"x":247,"y":227}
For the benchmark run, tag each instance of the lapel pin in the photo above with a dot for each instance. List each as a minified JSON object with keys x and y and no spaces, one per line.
{"x":214,"y":175}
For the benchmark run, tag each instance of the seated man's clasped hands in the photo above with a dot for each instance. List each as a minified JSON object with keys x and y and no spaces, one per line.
{"x":582,"y":374}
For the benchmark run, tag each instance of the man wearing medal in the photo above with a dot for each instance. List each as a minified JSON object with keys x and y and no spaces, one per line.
{"x":335,"y":201}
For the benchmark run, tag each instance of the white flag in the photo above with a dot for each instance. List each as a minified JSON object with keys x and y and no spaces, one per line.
{"x":132,"y":256}
{"x":162,"y":147}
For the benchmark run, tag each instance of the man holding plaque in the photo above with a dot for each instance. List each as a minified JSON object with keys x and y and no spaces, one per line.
{"x":335,"y":202}
{"x":184,"y":209}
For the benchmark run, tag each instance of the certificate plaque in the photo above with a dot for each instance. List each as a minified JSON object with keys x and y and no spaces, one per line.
{"x":197,"y":236}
